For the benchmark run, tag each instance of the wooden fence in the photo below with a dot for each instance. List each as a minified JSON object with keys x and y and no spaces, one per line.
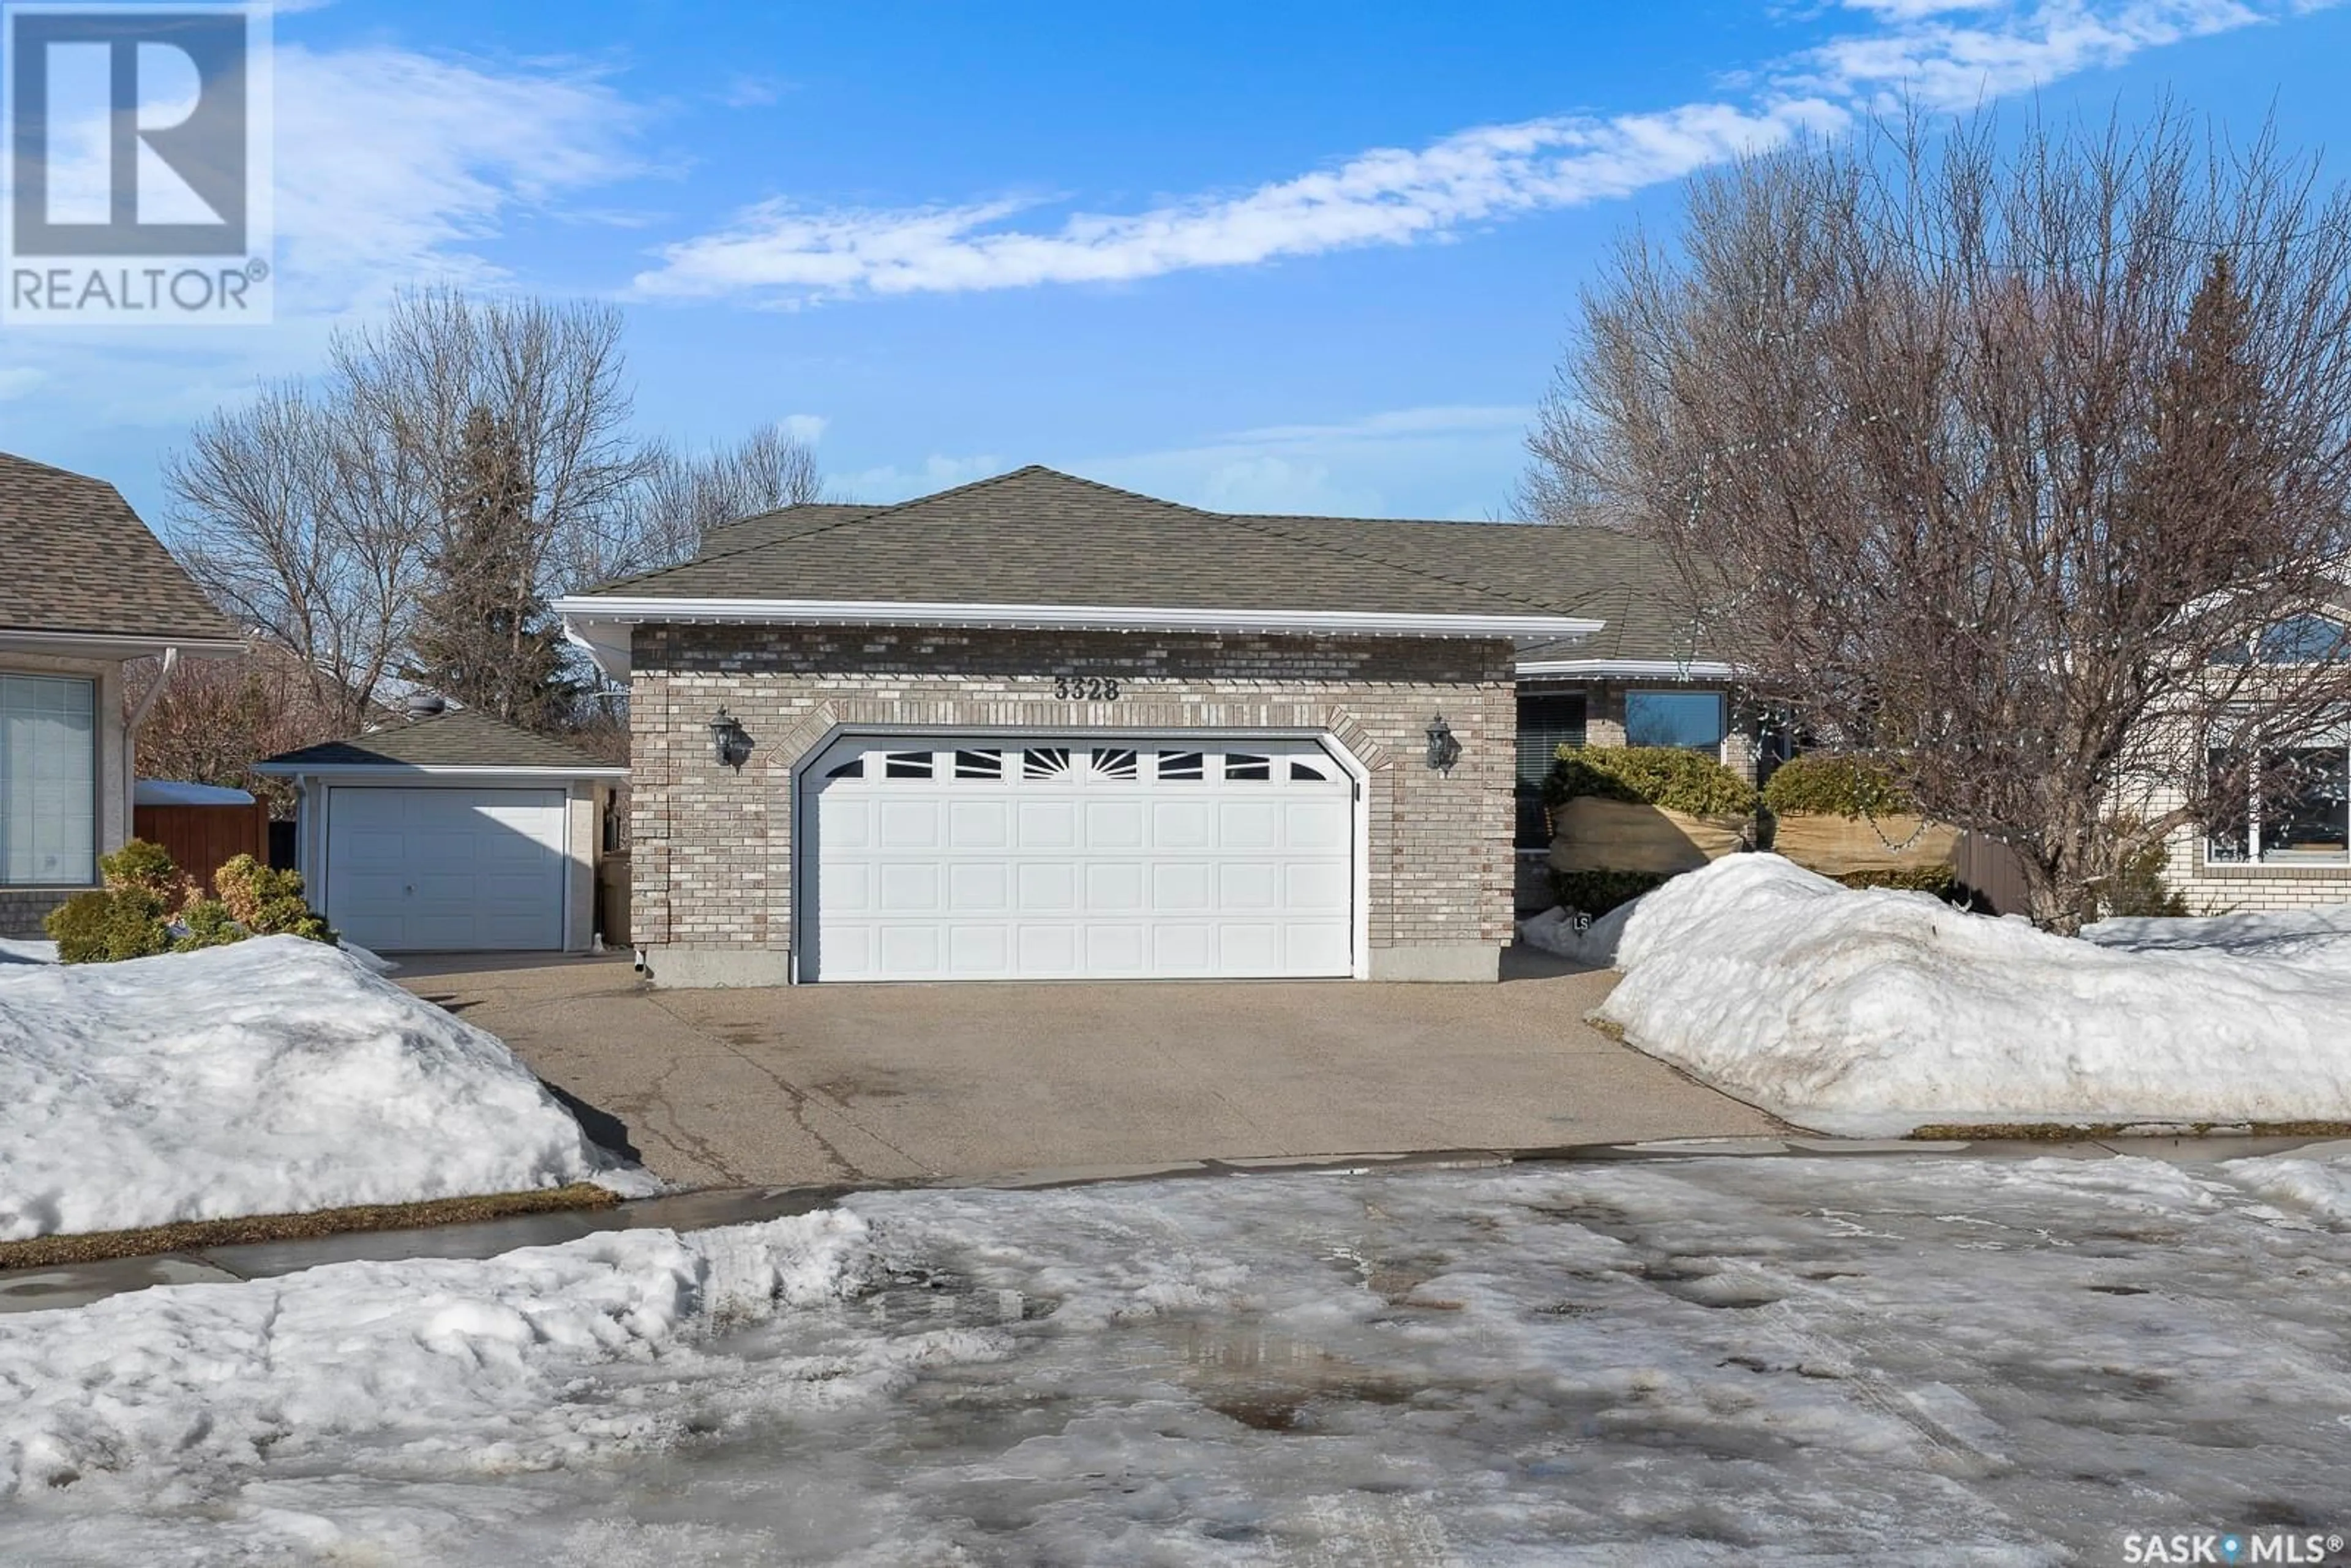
{"x":1990,"y":868}
{"x":203,"y":839}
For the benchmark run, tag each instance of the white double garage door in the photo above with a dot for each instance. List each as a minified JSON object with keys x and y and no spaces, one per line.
{"x":942,"y":859}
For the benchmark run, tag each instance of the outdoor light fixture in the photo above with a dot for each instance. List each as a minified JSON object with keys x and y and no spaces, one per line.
{"x":1444,"y":751}
{"x":728,"y":740}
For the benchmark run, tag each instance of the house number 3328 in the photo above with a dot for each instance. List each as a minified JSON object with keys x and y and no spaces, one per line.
{"x":1085,"y":688}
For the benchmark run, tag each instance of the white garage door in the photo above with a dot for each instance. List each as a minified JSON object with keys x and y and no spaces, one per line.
{"x":415,"y":871}
{"x":988,"y":860}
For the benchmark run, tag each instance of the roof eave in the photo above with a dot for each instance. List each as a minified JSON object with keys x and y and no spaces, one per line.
{"x":1646,"y":669}
{"x":593,"y":620}
{"x":277,"y":767}
{"x":117,"y":646}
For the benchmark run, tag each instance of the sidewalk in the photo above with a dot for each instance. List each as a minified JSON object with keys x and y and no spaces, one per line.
{"x":44,"y":1290}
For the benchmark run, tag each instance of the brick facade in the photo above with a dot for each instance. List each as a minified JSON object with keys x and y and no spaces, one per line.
{"x":22,"y":910}
{"x":711,"y":846}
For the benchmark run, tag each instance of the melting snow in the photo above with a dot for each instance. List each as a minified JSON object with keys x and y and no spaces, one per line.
{"x":1846,"y":1359}
{"x":1874,"y":1012}
{"x":274,"y":1076}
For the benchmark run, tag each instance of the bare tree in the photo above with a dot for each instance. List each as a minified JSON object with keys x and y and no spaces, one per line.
{"x":317,"y":512}
{"x":217,"y":717}
{"x":300,"y":522}
{"x":550,"y":376}
{"x":2012,"y":470}
{"x":682,"y":497}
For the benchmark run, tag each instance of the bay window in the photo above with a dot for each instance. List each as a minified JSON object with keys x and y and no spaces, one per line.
{"x":48,"y":781}
{"x":2294,"y":810}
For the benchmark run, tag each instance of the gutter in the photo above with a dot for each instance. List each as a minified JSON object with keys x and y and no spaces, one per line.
{"x":139,"y":716}
{"x":1650,"y":669}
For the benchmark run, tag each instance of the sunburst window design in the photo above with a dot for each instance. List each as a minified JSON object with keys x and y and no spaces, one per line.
{"x":1045,"y":762}
{"x":1240,"y":765}
{"x":1301,"y":768}
{"x":907,"y":765}
{"x":980,"y":765}
{"x":1182,"y":765}
{"x":852,"y":769}
{"x":1112,"y":762}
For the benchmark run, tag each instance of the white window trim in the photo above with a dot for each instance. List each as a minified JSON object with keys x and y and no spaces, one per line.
{"x":2253,"y":860}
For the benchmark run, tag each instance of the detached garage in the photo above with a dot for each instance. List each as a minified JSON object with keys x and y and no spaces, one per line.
{"x":452,"y":832}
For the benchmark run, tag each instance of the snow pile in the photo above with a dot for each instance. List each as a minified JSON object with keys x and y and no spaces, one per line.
{"x":456,"y":1356}
{"x":273,"y":1076}
{"x":23,"y":950}
{"x":2318,"y":1178}
{"x":2319,"y":937}
{"x":172,"y":792}
{"x":1873,"y":1012}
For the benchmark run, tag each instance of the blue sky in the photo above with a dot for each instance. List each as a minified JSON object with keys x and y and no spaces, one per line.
{"x":1317,"y":257}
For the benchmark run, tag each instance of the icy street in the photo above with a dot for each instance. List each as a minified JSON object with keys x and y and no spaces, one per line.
{"x":1835,"y":1359}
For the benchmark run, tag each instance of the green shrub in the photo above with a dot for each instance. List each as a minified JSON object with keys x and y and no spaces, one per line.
{"x":1671,"y":776}
{"x":109,"y":926}
{"x":206,"y":923}
{"x":2138,"y":889}
{"x":1834,"y":784}
{"x":267,"y":902}
{"x":146,"y":868}
{"x":1595,"y":893}
{"x":1942,"y":880}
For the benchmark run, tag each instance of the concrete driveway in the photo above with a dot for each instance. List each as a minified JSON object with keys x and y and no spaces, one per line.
{"x":846,"y":1084}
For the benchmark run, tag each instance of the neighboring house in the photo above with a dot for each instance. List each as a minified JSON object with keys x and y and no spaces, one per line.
{"x":1037,"y":728}
{"x":452,"y":832}
{"x":2293,"y":848}
{"x":86,"y":588}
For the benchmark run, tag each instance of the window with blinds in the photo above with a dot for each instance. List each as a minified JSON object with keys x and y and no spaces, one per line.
{"x":1546,"y":723}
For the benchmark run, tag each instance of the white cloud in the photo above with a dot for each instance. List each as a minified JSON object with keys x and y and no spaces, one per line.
{"x":1940,"y":53}
{"x":1388,"y":196}
{"x":394,"y":165}
{"x":898,"y":483}
{"x":1418,"y":462}
{"x":19,"y":381}
{"x":807,"y":429}
{"x":1939,"y":63}
{"x":745,"y":89}
{"x":1437,"y":461}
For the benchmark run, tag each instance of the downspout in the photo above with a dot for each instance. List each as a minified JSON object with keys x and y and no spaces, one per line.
{"x":131,"y":737}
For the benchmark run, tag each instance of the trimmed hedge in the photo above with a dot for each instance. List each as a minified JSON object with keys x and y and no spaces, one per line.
{"x":1595,"y":893}
{"x":1834,"y":784}
{"x":1942,"y":880}
{"x":1669,"y":777}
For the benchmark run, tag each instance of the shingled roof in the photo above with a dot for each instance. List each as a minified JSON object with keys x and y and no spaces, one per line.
{"x":79,"y":560}
{"x":459,"y":738}
{"x":1036,"y":537}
